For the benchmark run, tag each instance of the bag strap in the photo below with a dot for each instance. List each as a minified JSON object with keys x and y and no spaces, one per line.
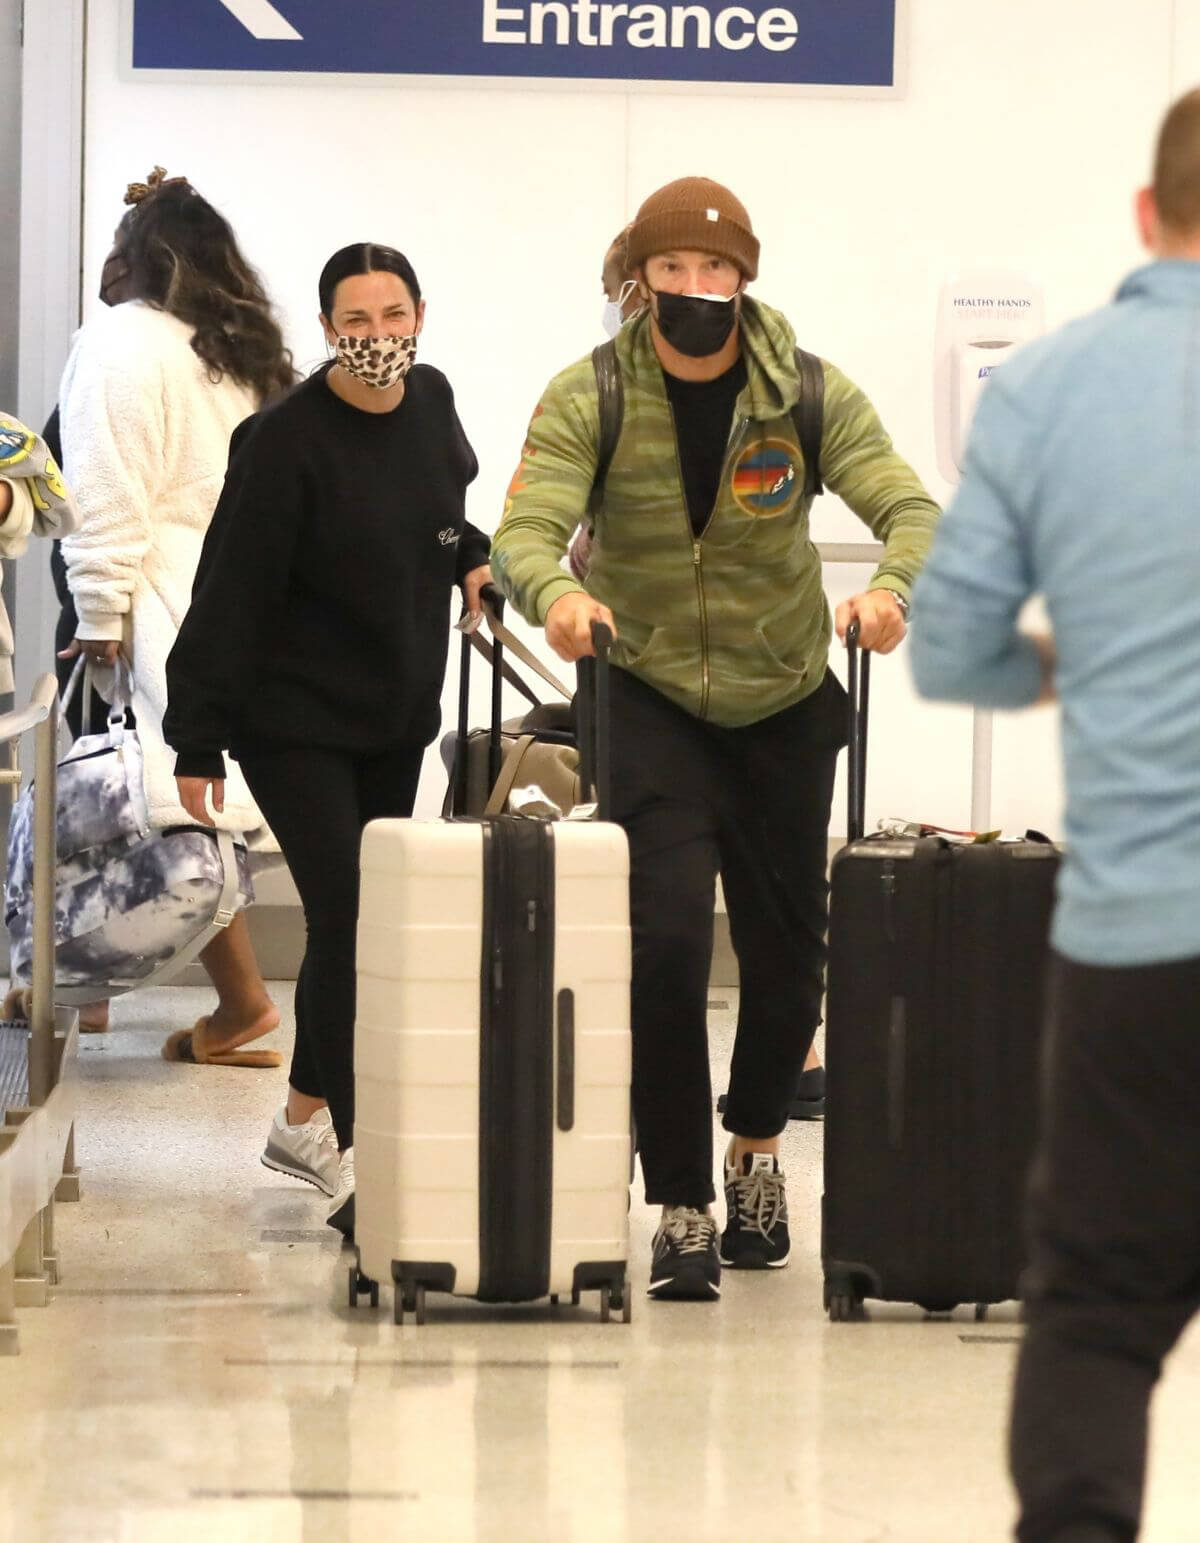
{"x":808,"y":416}
{"x":513,"y":643}
{"x":505,"y":782}
{"x":610,"y":396}
{"x":481,"y":645}
{"x":224,"y":914}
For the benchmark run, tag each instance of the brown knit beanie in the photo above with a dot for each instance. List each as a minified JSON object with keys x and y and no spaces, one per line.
{"x":697,"y":215}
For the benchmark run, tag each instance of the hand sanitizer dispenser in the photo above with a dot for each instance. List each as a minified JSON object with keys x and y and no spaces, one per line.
{"x":982,"y":319}
{"x":973,"y":365}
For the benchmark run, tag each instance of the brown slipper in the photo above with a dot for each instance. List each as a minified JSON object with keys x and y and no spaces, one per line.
{"x":18,"y":1008}
{"x":18,"y":1005}
{"x":190,"y":1045}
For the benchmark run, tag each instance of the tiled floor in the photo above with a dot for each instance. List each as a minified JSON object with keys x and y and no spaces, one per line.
{"x":199,"y":1375}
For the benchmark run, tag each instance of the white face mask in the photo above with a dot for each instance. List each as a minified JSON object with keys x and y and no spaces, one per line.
{"x":378,"y":362}
{"x":612,"y":318}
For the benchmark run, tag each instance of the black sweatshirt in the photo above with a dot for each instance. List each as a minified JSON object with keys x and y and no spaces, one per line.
{"x":320,"y":613}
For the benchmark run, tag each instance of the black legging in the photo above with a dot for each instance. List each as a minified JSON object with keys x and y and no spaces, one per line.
{"x":317,"y":802}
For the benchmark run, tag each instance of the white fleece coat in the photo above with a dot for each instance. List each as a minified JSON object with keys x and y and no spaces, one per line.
{"x":145,"y":437}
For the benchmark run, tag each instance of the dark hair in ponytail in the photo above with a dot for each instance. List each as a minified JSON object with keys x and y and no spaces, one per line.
{"x":184,"y":258}
{"x":364,"y":257}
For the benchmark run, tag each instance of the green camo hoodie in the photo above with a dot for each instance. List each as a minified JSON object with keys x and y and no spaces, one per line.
{"x":732,"y":627}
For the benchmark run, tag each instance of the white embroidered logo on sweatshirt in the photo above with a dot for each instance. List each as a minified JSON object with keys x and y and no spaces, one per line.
{"x":449,"y":536}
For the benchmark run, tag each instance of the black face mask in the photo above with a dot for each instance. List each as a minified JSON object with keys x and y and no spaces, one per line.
{"x":696,"y":327}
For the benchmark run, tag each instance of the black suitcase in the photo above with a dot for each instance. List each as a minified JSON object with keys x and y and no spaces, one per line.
{"x":937,"y":955}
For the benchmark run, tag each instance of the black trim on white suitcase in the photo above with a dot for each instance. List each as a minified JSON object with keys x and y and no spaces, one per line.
{"x":516,"y":1072}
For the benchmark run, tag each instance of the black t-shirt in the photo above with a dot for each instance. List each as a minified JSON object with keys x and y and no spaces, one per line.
{"x":703,"y":411}
{"x":320,"y":614}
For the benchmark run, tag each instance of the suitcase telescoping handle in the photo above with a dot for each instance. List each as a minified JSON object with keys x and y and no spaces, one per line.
{"x":592,"y":722}
{"x":495,"y":600}
{"x":858,"y":681}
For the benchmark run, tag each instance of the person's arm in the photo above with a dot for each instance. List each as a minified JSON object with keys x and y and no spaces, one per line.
{"x":965,"y":645}
{"x":16,"y":517}
{"x":237,"y":600}
{"x":474,"y":548}
{"x":471,"y":570}
{"x":860,"y":465}
{"x":33,"y":497}
{"x":548,"y":495}
{"x":113,"y":430}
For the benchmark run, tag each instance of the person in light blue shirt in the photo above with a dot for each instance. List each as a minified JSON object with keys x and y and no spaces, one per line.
{"x":1082,"y":483}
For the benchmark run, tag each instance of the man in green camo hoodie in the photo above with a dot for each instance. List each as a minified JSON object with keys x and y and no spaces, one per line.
{"x":726,"y":723}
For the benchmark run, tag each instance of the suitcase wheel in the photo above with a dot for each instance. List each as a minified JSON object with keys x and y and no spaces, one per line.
{"x":554,"y":1299}
{"x":844,"y":1307}
{"x":981,"y":1311}
{"x":843,"y":1299}
{"x":362,"y":1285}
{"x":616,"y":1298}
{"x":409,"y":1299}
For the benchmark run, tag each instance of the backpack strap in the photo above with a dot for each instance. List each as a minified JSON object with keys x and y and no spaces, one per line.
{"x":809,"y":417}
{"x":610,"y":394}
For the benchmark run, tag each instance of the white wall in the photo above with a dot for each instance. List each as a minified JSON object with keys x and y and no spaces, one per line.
{"x":1024,"y":130}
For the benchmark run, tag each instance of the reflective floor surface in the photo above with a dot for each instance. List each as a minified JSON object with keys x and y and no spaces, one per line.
{"x":200,"y":1376}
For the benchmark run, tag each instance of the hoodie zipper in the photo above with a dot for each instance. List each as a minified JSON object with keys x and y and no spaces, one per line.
{"x":736,"y":434}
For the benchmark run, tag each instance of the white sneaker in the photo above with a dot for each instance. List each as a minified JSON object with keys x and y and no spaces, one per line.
{"x":307,"y":1151}
{"x":341,"y":1207}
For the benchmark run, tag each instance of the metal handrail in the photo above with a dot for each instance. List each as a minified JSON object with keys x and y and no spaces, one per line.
{"x":41,"y":715}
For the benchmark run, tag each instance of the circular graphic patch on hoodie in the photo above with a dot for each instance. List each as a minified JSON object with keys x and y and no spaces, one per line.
{"x":16,"y":443}
{"x":766,"y":478}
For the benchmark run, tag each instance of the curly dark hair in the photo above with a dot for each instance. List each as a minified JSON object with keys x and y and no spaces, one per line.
{"x":184,"y":258}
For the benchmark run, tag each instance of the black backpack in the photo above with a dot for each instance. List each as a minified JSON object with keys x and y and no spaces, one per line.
{"x":808,"y":415}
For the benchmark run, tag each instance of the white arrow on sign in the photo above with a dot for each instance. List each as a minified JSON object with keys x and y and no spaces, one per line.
{"x":260,"y":18}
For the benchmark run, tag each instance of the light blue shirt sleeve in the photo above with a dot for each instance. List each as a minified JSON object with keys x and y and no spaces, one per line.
{"x":965,"y":646}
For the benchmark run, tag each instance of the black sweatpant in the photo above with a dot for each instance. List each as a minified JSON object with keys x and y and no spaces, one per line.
{"x":317,"y":802}
{"x":754,"y":803}
{"x":1114,"y":1218}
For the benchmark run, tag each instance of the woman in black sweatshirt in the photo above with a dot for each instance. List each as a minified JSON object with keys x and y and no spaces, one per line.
{"x":315,"y":648}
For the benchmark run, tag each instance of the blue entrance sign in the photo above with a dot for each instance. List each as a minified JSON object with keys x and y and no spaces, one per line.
{"x":847,"y":43}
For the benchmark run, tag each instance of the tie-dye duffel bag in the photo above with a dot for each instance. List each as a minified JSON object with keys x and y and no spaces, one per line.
{"x":133,"y":906}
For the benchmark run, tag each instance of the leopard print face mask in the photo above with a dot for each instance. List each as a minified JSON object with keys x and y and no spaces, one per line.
{"x":378,"y":362}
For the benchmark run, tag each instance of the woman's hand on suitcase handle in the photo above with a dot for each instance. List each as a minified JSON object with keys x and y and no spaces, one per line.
{"x":192,"y":791}
{"x":473,"y":585}
{"x":569,"y":625}
{"x":882,"y":627}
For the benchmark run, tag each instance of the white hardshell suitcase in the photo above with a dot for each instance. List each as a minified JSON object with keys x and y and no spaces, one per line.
{"x":492,"y":1135}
